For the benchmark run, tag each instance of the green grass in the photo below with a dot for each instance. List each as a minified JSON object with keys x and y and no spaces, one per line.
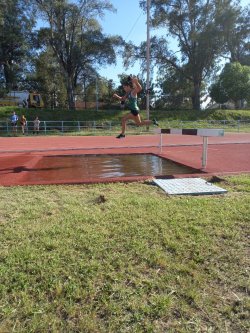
{"x":124,"y":258}
{"x":115,"y":115}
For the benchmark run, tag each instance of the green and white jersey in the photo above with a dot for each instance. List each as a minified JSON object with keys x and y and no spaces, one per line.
{"x":132,"y":102}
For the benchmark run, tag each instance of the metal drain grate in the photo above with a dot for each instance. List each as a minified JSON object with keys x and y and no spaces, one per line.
{"x":190,"y":186}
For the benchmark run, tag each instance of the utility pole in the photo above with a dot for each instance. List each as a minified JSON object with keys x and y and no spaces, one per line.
{"x":148,"y":57}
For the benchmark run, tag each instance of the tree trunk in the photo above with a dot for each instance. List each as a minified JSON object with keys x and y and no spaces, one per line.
{"x":8,"y":75}
{"x":85,"y":95}
{"x":196,"y":96}
{"x":70,"y":94}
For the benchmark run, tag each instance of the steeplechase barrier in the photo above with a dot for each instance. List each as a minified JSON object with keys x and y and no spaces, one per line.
{"x":203,"y":132}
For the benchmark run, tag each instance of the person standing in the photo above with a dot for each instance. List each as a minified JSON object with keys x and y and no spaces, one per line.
{"x":13,"y":121}
{"x":36,"y":126}
{"x":23,"y":122}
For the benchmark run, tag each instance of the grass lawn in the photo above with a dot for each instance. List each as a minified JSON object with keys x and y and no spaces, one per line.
{"x":124,"y":258}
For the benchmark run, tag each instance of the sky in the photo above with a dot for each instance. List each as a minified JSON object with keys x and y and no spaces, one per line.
{"x":130,"y":22}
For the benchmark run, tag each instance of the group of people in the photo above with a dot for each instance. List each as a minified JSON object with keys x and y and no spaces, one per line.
{"x":23,"y":122}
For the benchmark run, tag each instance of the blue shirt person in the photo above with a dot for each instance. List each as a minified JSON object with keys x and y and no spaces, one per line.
{"x":13,"y":121}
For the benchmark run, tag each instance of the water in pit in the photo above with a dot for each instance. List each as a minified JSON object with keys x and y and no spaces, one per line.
{"x":84,"y":167}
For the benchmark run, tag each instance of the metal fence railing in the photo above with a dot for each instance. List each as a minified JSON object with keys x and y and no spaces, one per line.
{"x":109,"y":127}
{"x":67,"y":127}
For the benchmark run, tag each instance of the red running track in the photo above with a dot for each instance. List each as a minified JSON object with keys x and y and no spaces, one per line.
{"x":19,"y":156}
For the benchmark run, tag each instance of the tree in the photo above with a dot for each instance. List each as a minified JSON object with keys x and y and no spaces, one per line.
{"x":195,"y":25}
{"x":99,"y":88}
{"x":217,"y":93}
{"x":48,"y":80}
{"x":175,"y":87}
{"x":235,"y":80}
{"x":76,"y":38}
{"x":16,"y":23}
{"x":235,"y":25}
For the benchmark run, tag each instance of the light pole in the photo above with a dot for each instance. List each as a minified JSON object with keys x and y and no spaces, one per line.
{"x":148,"y":57}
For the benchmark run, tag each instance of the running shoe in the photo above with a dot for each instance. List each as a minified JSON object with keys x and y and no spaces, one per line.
{"x":120,"y":136}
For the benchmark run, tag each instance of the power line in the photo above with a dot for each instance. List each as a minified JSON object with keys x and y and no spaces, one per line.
{"x":134,"y":25}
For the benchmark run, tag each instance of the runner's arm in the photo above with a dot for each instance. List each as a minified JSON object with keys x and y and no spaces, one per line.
{"x":121,"y":98}
{"x":136,"y":86}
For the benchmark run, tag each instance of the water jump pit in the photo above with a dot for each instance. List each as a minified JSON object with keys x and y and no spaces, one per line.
{"x":94,"y":168}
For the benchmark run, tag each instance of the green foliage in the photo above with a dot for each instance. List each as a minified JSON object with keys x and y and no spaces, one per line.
{"x":203,"y":31}
{"x":49,"y":80}
{"x":76,"y":39}
{"x":177,"y":90}
{"x":98,"y":87}
{"x":235,"y":79}
{"x":236,"y":30}
{"x":16,"y":23}
{"x":218,"y":93}
{"x":196,"y":27}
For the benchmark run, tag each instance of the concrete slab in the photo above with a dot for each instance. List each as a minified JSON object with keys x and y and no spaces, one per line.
{"x":188,"y":186}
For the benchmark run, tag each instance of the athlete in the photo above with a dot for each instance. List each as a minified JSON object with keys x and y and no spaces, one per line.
{"x":132,"y":87}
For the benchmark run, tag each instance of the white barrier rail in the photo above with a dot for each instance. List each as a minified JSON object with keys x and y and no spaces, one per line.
{"x":203,"y":132}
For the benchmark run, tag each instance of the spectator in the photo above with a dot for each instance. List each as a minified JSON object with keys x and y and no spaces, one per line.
{"x":13,"y":121}
{"x":23,"y":122}
{"x":36,"y":125}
